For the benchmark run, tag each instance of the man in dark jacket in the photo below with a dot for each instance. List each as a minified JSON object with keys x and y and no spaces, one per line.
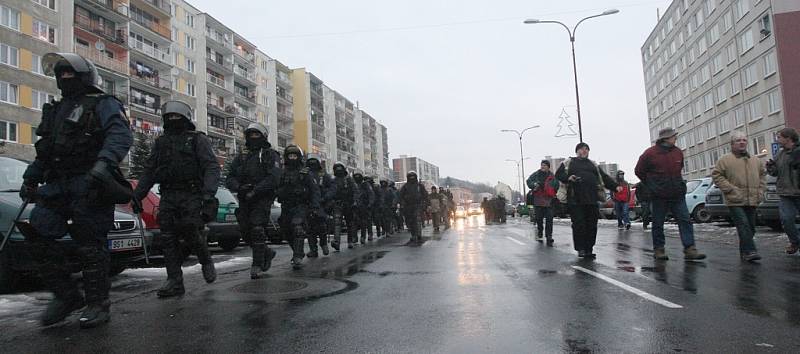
{"x":346,"y":204}
{"x":659,"y":169}
{"x":183,"y":163}
{"x":299,"y":197}
{"x":585,"y":184}
{"x":254,"y":175}
{"x":366,"y":199}
{"x":786,"y":167}
{"x":387,"y":209}
{"x":413,"y":201}
{"x":544,"y":186}
{"x":82,"y":139}
{"x":319,"y":223}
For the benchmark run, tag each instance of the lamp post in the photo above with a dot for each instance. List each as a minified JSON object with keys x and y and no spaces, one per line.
{"x":574,"y":65}
{"x":521,"y":159}
{"x":521,"y":180}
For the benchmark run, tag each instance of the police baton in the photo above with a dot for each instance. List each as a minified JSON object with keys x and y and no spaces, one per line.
{"x":138,"y":207}
{"x":25,"y":203}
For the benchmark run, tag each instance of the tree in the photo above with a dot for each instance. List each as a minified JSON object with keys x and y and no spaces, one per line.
{"x":226,"y":168}
{"x":564,"y":119}
{"x":139,"y":155}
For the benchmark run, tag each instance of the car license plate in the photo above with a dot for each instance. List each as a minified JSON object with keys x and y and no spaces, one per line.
{"x":124,"y":244}
{"x":230,"y":218}
{"x":772,"y":196}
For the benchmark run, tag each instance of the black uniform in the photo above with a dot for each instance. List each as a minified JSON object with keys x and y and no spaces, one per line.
{"x":254,"y":176}
{"x":413,"y":201}
{"x":321,"y":224}
{"x":397,"y":216}
{"x":183,"y":163}
{"x":81,"y":137}
{"x":366,"y":199}
{"x":387,"y":208}
{"x":375,"y":209}
{"x":299,"y":197}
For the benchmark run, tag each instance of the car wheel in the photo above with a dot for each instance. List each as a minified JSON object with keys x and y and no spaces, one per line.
{"x":116,"y":269}
{"x":775,"y":225}
{"x":228,"y":244}
{"x":701,"y":215}
{"x":9,"y":279}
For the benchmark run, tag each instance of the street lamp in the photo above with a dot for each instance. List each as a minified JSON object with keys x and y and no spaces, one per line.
{"x":521,"y":159}
{"x":521,"y":180}
{"x":574,"y":66}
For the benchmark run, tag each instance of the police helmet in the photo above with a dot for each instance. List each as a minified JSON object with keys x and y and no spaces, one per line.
{"x":340,"y":169}
{"x":313,"y":159}
{"x":54,"y":63}
{"x":292,"y":149}
{"x":410,"y":174}
{"x":180,"y":108}
{"x":256,"y":127}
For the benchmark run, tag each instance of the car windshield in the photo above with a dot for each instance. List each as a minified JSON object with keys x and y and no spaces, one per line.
{"x":474,"y":205}
{"x":11,"y":171}
{"x":225,"y":196}
{"x":692,"y":185}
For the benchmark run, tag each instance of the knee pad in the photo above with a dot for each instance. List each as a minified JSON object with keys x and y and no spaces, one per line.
{"x":258,"y":234}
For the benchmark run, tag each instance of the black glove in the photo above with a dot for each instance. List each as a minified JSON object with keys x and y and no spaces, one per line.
{"x":136,"y":206}
{"x":28,"y":190}
{"x":210,"y":207}
{"x":100,"y":172}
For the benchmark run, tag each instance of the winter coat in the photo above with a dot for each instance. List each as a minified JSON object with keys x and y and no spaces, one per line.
{"x":537,"y":183}
{"x":741,"y":179}
{"x":585,"y":191}
{"x":659,"y":168}
{"x":786,"y":169}
{"x":625,"y":194}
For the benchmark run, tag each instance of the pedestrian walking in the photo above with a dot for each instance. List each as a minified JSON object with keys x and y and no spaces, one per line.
{"x":785,"y":168}
{"x":622,"y":200}
{"x":644,"y":205}
{"x":183,"y":163}
{"x":544,"y":187}
{"x":254,"y":176}
{"x":741,"y":178}
{"x":82,"y":139}
{"x":435,"y":208}
{"x":585,"y":188}
{"x":659,"y":169}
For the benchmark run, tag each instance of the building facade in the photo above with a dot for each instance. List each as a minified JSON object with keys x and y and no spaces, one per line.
{"x":712,"y":67}
{"x":151,"y":51}
{"x":425,"y":171}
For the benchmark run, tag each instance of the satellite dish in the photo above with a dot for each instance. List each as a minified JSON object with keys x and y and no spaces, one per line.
{"x":100,"y":45}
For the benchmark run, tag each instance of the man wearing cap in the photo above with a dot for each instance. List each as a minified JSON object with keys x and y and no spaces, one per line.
{"x":82,"y":139}
{"x":622,"y":200}
{"x":183,"y":163}
{"x":586,"y":184}
{"x":544,"y":186}
{"x":659,"y":169}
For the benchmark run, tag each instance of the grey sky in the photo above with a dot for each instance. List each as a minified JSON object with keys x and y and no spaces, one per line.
{"x":446,"y":76}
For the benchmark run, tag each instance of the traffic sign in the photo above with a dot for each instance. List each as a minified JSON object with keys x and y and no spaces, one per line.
{"x":775,"y":148}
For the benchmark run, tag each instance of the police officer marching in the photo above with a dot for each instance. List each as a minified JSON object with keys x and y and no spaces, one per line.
{"x":183,"y":163}
{"x":299,"y":197}
{"x":346,"y":204}
{"x":82,"y":139}
{"x":320,"y":223}
{"x":254,"y":176}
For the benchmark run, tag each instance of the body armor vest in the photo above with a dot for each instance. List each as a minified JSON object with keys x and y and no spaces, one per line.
{"x":255,"y":165}
{"x":177,"y":160}
{"x":344,"y":189}
{"x":293,"y":186}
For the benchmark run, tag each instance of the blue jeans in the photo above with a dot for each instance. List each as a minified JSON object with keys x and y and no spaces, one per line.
{"x":787,"y":207}
{"x":679,"y":211}
{"x":621,"y":210}
{"x":744,"y":218}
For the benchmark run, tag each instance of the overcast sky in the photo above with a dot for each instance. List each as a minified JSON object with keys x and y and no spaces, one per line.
{"x":446,"y":76}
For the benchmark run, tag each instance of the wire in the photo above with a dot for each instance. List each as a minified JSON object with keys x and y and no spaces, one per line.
{"x":448,"y":24}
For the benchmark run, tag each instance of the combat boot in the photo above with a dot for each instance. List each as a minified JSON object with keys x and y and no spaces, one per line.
{"x":172,"y":287}
{"x":691,"y":254}
{"x":297,"y":257}
{"x":660,"y":254}
{"x":325,"y":250}
{"x":96,"y":313}
{"x":61,"y":306}
{"x":550,"y":241}
{"x":270,"y":255}
{"x":172,"y":261}
{"x":209,"y":272}
{"x":204,"y":257}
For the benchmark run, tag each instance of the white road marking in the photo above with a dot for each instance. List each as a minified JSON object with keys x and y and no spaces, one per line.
{"x":630,"y":289}
{"x":515,"y":240}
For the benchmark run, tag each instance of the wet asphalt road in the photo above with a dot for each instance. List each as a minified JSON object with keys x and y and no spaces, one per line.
{"x":473,"y":288}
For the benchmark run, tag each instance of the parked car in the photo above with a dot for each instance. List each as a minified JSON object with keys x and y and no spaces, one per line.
{"x":474,"y":209}
{"x":715,"y":205}
{"x":16,"y":263}
{"x":696,"y":199}
{"x":225,"y":229}
{"x":607,"y":209}
{"x":767,"y":212}
{"x":461,"y":212}
{"x":523,"y":209}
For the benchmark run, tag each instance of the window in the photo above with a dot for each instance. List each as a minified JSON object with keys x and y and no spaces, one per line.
{"x":8,"y":131}
{"x":695,"y":81}
{"x":759,"y":145}
{"x":750,"y":75}
{"x":731,"y":51}
{"x":746,"y":41}
{"x":711,"y":5}
{"x":774,"y":102}
{"x":718,"y":62}
{"x":39,"y":98}
{"x":699,"y":18}
{"x":708,"y":102}
{"x":36,"y":64}
{"x":738,"y":117}
{"x":189,"y":41}
{"x":725,"y":123}
{"x":190,"y":65}
{"x":741,"y":8}
{"x":190,"y":89}
{"x":705,"y":74}
{"x":50,"y":4}
{"x":8,"y":92}
{"x":766,"y":26}
{"x":702,"y":46}
{"x":44,"y":31}
{"x":698,"y":108}
{"x":713,"y":34}
{"x":770,"y":64}
{"x":189,"y":20}
{"x":722,"y":93}
{"x":734,"y":86}
{"x":713,"y":157}
{"x":701,"y":161}
{"x":754,"y":110}
{"x":727,"y":22}
{"x":9,"y":55}
{"x":9,"y":18}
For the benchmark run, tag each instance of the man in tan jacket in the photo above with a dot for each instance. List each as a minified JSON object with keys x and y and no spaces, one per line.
{"x":741,"y":178}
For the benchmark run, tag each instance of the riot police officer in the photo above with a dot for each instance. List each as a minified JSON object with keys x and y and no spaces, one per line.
{"x":82,"y":139}
{"x":375,"y":208}
{"x":387,"y":208}
{"x":183,"y":163}
{"x":346,"y":202}
{"x":320,"y":223}
{"x":299,"y":197}
{"x":413,"y":200}
{"x":366,"y":198}
{"x":254,"y":176}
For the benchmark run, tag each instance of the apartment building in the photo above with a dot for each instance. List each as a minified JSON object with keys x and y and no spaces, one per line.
{"x":426,"y":171}
{"x":712,"y":67}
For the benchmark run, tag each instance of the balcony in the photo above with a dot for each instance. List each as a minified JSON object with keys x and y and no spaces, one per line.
{"x":115,"y":10}
{"x":150,"y":51}
{"x":102,"y":30}
{"x":162,"y":6}
{"x":150,"y":78}
{"x":247,"y":96}
{"x":223,"y":65}
{"x":219,"y":38}
{"x":247,"y":56}
{"x":150,"y":108}
{"x":217,"y":81}
{"x":102,"y":59}
{"x":284,"y":80}
{"x":157,"y":28}
{"x":250,"y":76}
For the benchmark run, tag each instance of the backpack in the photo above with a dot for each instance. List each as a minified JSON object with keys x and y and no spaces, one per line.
{"x":562,"y":187}
{"x":550,"y":190}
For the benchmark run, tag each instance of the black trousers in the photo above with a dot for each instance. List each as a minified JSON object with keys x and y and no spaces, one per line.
{"x":584,"y":225}
{"x":544,"y":220}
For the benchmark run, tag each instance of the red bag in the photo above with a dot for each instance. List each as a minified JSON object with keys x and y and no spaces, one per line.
{"x":549,"y":190}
